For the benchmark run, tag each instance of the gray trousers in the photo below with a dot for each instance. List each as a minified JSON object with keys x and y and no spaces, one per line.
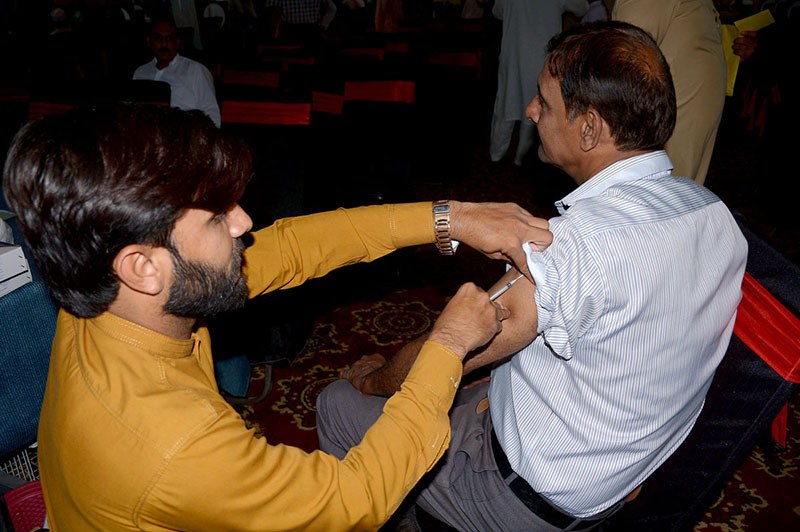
{"x":464,"y":489}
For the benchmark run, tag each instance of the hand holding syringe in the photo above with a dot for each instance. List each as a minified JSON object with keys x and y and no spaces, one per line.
{"x":502,"y":290}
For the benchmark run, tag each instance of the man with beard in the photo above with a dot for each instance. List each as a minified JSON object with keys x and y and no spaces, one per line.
{"x":191,"y":84}
{"x":136,"y":240}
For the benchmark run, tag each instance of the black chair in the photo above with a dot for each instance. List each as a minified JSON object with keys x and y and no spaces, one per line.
{"x":28,"y":323}
{"x":146,"y":91}
{"x":746,"y":395}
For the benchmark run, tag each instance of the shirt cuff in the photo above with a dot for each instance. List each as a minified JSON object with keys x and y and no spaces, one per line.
{"x":439,"y":370}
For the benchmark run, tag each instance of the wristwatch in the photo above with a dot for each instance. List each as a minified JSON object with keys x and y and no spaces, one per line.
{"x":441,"y":227}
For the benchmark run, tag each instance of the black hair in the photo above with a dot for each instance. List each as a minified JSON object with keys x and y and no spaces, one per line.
{"x":618,"y":70}
{"x":86,"y":183}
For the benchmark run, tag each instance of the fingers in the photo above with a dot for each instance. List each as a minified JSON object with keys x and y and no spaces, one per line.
{"x":469,"y":320}
{"x":539,"y":235}
{"x":520,"y":262}
{"x":538,"y":223}
{"x":745,"y":45}
{"x":474,"y":223}
{"x":538,"y":238}
{"x":502,"y":313}
{"x":498,"y":230}
{"x":528,"y":218}
{"x":362,"y":367}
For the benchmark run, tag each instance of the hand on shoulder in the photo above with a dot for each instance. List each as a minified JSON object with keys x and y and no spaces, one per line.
{"x":498,"y":230}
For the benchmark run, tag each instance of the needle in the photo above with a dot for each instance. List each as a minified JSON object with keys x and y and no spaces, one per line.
{"x":502,"y":290}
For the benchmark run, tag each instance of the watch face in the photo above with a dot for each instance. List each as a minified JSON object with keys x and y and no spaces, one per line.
{"x":439,"y":209}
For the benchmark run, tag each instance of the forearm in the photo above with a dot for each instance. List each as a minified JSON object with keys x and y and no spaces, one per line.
{"x":293,"y":250}
{"x":519,"y":329}
{"x":387,"y":379}
{"x":408,"y":422}
{"x":266,"y":481}
{"x":499,"y":230}
{"x":500,"y":349}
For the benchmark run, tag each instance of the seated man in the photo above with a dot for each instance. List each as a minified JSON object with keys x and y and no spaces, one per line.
{"x":614,"y":349}
{"x":131,"y":215}
{"x":191,"y":84}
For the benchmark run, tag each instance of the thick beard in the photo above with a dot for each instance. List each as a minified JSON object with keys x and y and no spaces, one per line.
{"x":199,"y":290}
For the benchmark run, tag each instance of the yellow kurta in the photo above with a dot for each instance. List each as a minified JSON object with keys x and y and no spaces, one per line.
{"x":690,"y":37}
{"x":134,"y":436}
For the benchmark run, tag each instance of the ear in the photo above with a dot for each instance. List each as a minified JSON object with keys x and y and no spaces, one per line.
{"x":141,"y":268}
{"x":591,"y":129}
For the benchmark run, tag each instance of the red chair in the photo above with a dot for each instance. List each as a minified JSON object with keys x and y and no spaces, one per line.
{"x":472,"y":60}
{"x":37,"y":109}
{"x":26,"y":506}
{"x":375,"y":52}
{"x":244,"y":77}
{"x":268,"y":113}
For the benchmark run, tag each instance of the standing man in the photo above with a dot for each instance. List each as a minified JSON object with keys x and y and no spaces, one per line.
{"x":527,"y":26}
{"x":131,"y":215}
{"x":191,"y":84}
{"x":603,"y":366}
{"x":690,"y":36}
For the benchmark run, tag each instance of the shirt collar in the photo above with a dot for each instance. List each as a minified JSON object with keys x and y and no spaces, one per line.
{"x":170,"y":65}
{"x":651,"y":165}
{"x":142,"y":337}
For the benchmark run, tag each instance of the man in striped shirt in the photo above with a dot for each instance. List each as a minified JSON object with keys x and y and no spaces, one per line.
{"x":603,"y":367}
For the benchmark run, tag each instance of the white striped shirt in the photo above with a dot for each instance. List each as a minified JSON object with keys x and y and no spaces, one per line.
{"x":642,"y":283}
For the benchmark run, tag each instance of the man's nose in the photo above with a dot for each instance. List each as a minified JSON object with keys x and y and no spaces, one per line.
{"x":239,"y":222}
{"x":533,"y":110}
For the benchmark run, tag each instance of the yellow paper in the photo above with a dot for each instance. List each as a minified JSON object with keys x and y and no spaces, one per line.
{"x":731,"y":32}
{"x":755,"y":22}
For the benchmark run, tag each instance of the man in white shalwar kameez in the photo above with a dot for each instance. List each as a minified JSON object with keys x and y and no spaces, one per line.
{"x":527,"y":27}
